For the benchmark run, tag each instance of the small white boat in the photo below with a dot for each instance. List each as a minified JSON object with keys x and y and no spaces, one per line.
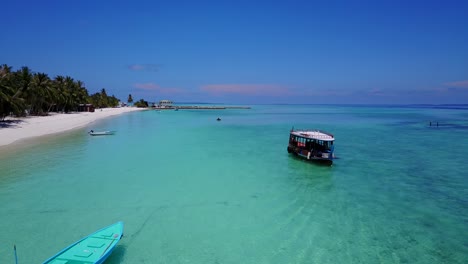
{"x":101,"y":133}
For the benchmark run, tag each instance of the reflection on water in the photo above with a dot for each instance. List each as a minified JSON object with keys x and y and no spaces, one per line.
{"x":118,"y":255}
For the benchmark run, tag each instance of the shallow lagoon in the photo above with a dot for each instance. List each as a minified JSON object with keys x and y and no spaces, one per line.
{"x":193,"y":190}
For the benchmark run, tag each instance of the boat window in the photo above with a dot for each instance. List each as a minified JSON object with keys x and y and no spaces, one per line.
{"x":308,"y":143}
{"x":328,"y":144}
{"x":301,"y":142}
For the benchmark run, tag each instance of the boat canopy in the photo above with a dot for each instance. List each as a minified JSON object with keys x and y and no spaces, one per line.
{"x":313,"y":134}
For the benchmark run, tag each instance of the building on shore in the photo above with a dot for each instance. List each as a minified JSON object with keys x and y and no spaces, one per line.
{"x":86,"y":108}
{"x":165,"y":104}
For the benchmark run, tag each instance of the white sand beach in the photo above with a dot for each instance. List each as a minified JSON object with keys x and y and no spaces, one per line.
{"x":15,"y":129}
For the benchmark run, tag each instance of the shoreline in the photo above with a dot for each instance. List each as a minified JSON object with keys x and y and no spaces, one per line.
{"x":17,"y":129}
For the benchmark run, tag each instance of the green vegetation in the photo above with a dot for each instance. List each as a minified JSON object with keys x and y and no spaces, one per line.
{"x":142,"y":103}
{"x":25,"y":92}
{"x":102,"y":100}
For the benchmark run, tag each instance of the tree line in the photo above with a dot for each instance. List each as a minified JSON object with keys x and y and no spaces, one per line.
{"x":24,"y":92}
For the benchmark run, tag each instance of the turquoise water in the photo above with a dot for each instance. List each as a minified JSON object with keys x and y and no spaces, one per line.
{"x":193,"y":190}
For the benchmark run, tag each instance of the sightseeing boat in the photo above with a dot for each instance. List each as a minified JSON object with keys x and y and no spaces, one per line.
{"x":312,"y":145}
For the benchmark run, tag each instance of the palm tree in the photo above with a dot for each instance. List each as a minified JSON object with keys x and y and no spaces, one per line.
{"x":70,"y":95}
{"x":7,"y":103}
{"x":38,"y":94}
{"x":95,"y":99}
{"x":42,"y":94}
{"x":5,"y":71}
{"x":59,"y":87}
{"x":82,"y":93}
{"x":104,"y":98}
{"x":24,"y":77}
{"x":15,"y":90}
{"x":20,"y":83}
{"x":5,"y":82}
{"x":113,"y":101}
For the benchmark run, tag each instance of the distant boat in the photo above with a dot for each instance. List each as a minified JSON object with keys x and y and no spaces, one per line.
{"x":101,"y":133}
{"x":312,"y":145}
{"x":94,"y":248}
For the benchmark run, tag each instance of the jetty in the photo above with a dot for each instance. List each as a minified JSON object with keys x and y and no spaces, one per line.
{"x":198,"y":107}
{"x":169,"y":105}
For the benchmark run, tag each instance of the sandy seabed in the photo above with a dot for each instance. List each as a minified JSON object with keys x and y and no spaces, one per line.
{"x":15,"y":129}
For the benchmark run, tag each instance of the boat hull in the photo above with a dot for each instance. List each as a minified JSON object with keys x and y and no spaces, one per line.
{"x":105,"y":133}
{"x":307,"y":156}
{"x":95,"y":248}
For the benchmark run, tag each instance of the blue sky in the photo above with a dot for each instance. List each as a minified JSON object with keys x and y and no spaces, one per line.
{"x":247,"y":52}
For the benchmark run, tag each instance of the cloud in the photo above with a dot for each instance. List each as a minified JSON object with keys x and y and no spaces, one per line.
{"x":144,"y":67}
{"x":157,"y":88}
{"x":459,"y":84}
{"x":246,"y":89}
{"x":376,"y":91}
{"x":147,"y":86}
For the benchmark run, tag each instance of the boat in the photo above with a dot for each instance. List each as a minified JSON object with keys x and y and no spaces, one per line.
{"x":312,"y":145}
{"x":101,"y":133}
{"x":94,"y":248}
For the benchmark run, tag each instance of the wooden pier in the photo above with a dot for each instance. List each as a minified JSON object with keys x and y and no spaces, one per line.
{"x":198,"y":107}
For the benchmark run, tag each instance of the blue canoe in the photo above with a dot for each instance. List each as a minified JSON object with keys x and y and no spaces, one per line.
{"x":94,"y":248}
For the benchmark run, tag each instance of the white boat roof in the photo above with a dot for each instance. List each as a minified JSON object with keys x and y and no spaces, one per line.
{"x":313,"y":134}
